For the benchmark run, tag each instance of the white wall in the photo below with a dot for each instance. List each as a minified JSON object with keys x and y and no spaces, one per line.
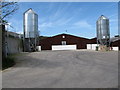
{"x":64,"y":47}
{"x":115,"y":48}
{"x":91,"y":46}
{"x":38,"y":48}
{"x":13,"y":45}
{"x":94,"y":46}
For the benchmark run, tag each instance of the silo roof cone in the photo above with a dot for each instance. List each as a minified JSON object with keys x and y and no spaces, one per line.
{"x":102,"y":17}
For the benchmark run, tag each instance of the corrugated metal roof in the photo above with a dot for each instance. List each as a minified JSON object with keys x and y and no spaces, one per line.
{"x":113,"y":39}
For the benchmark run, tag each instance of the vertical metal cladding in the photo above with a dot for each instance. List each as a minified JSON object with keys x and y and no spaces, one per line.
{"x":103,"y":33}
{"x":31,"y":34}
{"x":30,"y":24}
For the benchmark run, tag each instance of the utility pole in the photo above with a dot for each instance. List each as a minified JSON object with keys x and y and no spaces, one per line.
{"x":29,"y":42}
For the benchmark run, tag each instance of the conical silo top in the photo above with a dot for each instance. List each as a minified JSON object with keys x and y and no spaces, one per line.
{"x":29,"y":11}
{"x":102,"y":17}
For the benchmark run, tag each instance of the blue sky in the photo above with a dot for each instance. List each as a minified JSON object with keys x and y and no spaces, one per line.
{"x":78,"y":18}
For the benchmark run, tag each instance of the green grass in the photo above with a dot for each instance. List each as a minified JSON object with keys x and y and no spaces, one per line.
{"x":8,"y":62}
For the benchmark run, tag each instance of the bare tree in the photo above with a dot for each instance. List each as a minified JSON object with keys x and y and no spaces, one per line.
{"x":7,"y":9}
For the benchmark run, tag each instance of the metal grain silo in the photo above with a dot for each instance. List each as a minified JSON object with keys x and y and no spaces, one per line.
{"x":30,"y":24}
{"x":30,"y":21}
{"x":103,"y":33}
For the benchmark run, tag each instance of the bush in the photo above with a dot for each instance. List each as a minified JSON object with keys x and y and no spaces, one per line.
{"x":8,"y":62}
{"x":97,"y":48}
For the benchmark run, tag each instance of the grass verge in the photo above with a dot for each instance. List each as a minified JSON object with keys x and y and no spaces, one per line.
{"x":8,"y":62}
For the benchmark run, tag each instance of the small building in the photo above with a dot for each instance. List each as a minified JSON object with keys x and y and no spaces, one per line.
{"x":64,"y":42}
{"x":11,"y":42}
{"x":115,"y":43}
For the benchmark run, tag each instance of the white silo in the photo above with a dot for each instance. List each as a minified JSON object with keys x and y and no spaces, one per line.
{"x":31,"y":34}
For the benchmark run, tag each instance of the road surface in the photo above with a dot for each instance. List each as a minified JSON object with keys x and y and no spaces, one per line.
{"x":63,"y":69}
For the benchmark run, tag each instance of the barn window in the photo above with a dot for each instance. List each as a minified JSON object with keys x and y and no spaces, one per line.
{"x":63,"y":36}
{"x":63,"y":42}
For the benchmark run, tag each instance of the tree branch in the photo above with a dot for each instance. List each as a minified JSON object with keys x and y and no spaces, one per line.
{"x":9,"y":13}
{"x":7,"y":8}
{"x":7,"y":4}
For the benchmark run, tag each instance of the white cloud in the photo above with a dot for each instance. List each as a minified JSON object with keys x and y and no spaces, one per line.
{"x":16,"y":25}
{"x":58,"y":22}
{"x":113,"y":15}
{"x":47,"y":24}
{"x":83,"y":24}
{"x":20,"y":32}
{"x":63,"y":21}
{"x":113,"y":20}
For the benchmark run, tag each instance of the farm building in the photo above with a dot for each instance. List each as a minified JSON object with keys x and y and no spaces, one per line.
{"x":114,"y":43}
{"x":71,"y":42}
{"x":64,"y":41}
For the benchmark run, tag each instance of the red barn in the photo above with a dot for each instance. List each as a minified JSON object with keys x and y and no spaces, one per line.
{"x":64,"y":40}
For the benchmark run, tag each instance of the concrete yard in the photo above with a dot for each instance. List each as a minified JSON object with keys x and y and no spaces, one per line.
{"x":63,"y":69}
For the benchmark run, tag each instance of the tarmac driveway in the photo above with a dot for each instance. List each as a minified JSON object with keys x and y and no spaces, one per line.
{"x":63,"y":69}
